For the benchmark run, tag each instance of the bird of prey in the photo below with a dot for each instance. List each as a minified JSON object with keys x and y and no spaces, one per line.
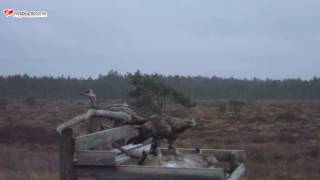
{"x":161,"y":127}
{"x":92,"y":97}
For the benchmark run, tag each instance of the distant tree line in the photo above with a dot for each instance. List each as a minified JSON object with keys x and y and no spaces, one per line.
{"x":114,"y":85}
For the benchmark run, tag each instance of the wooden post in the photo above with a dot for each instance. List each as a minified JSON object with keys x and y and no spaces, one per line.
{"x":66,"y":149}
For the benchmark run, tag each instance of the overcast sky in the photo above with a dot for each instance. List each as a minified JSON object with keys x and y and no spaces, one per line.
{"x":239,"y":38}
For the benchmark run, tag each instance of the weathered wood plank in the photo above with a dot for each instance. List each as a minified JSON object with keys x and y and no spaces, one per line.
{"x":107,"y":158}
{"x":237,"y":173}
{"x":183,"y":150}
{"x":91,"y":140}
{"x":66,"y":149}
{"x":127,"y":147}
{"x":122,"y":116}
{"x":226,"y":154}
{"x":75,"y":120}
{"x":122,"y":158}
{"x":95,"y":157}
{"x":147,"y":173}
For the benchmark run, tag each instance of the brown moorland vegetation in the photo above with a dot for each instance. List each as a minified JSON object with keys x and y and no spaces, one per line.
{"x":282,"y":138}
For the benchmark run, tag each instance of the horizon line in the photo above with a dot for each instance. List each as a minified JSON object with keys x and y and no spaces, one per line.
{"x":165,"y":75}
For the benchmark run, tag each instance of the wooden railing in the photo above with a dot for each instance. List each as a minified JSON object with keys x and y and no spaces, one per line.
{"x":78,"y":160}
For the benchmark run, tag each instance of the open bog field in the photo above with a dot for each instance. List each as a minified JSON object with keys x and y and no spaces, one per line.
{"x":282,"y":138}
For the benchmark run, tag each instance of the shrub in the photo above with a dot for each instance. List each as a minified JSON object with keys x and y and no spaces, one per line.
{"x":222,"y":107}
{"x":3,"y":103}
{"x":31,"y":101}
{"x":236,"y":106}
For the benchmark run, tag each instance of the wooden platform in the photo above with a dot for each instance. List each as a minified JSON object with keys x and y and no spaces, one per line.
{"x":78,"y":161}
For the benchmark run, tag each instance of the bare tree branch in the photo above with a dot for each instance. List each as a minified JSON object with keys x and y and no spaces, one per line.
{"x":113,"y":115}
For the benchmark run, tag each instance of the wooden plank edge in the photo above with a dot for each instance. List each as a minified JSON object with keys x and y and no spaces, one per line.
{"x":95,"y":158}
{"x":238,"y":172}
{"x":122,"y":158}
{"x":88,"y":141}
{"x":149,"y":172}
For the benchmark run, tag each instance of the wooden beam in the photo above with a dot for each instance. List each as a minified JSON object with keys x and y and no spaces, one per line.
{"x":127,"y":147}
{"x":66,"y":149}
{"x":183,"y":150}
{"x":122,"y":158}
{"x":123,"y":116}
{"x":238,"y":172}
{"x":147,"y":173}
{"x":95,"y":157}
{"x":75,"y":120}
{"x":88,"y":141}
{"x":107,"y":158}
{"x":226,"y":154}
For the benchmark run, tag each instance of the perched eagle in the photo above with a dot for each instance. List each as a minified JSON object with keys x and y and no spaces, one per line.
{"x":92,"y":97}
{"x":161,"y":127}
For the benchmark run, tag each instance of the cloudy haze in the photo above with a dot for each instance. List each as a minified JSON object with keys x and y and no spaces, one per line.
{"x":243,"y":39}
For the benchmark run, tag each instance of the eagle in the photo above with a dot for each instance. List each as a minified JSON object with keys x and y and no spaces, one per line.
{"x":92,"y":97}
{"x":161,"y":127}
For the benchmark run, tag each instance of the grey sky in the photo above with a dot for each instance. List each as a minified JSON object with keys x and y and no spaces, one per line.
{"x":240,"y":38}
